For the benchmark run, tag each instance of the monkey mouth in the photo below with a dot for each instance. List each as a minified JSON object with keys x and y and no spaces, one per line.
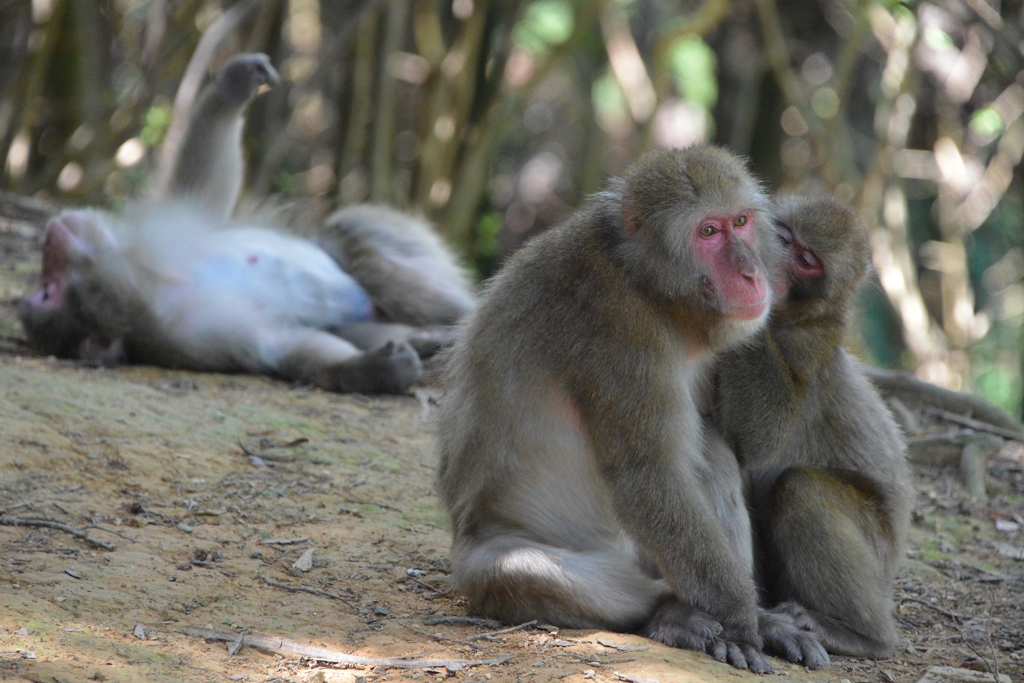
{"x":49,"y":295}
{"x":752,"y":311}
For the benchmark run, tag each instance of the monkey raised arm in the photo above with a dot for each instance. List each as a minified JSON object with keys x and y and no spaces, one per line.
{"x":207,"y":166}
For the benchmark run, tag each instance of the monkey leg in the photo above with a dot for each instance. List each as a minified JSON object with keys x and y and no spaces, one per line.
{"x":514,"y":579}
{"x":426,"y":341}
{"x":722,"y":484}
{"x":207,"y":166}
{"x":401,"y":262}
{"x":823,"y":543}
{"x":331,"y":363}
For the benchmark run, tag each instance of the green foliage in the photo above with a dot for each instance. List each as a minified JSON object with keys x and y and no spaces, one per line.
{"x":987,"y":122}
{"x":609,"y":100}
{"x":545,"y":24}
{"x":285,"y":182}
{"x":937,"y":39}
{"x":693,"y":65}
{"x":487,"y":234}
{"x":157,"y":120}
{"x":486,"y":249}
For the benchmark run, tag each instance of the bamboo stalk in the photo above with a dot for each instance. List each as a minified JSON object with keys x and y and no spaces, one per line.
{"x":381,"y":161}
{"x":361,"y":110}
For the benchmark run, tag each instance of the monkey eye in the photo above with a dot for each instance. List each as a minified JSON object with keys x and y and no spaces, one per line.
{"x":786,"y":235}
{"x":807,"y":260}
{"x":740,"y":221}
{"x":707,"y":231}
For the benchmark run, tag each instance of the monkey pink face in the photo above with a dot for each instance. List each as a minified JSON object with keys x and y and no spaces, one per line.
{"x":69,"y":238}
{"x":800,"y":265}
{"x":726,"y":243}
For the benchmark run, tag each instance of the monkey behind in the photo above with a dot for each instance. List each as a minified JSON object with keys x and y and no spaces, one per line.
{"x":828,"y":481}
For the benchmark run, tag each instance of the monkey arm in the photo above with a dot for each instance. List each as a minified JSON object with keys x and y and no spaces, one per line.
{"x":668,"y":515}
{"x":654,"y":475}
{"x":759,"y":400}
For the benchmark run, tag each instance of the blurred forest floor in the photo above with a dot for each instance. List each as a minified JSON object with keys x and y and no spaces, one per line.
{"x":192,"y":477}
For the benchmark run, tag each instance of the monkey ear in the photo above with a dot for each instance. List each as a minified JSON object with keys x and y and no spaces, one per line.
{"x":630,"y":220}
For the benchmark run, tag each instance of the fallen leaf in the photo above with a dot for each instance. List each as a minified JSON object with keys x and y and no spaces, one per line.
{"x":305,"y":561}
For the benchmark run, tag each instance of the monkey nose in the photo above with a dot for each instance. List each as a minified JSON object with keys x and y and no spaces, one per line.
{"x":749,"y":271}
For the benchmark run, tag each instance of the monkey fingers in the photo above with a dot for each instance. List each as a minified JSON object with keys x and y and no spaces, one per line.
{"x":680,"y":625}
{"x":792,"y":634}
{"x":97,"y":350}
{"x":796,"y":614}
{"x":741,"y":656}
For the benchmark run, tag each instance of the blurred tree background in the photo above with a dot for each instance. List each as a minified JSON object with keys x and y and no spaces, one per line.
{"x":496,"y":118}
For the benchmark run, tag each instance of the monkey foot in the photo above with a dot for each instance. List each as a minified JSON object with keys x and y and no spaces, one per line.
{"x":789,"y":632}
{"x":680,"y":625}
{"x":428,"y":342}
{"x":388,"y":369}
{"x":243,"y":75}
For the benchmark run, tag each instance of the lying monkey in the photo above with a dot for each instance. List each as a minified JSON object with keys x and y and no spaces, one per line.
{"x":172,"y":283}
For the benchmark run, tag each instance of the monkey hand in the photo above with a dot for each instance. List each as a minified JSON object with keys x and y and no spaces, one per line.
{"x":792,"y":634}
{"x":388,"y":369}
{"x":679,"y":625}
{"x":741,"y":655}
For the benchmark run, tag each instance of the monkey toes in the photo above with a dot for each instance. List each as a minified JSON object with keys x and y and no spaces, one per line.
{"x":789,"y":632}
{"x":741,"y":656}
{"x":679,"y":625}
{"x":389,"y":369}
{"x":243,"y":75}
{"x":429,"y":342}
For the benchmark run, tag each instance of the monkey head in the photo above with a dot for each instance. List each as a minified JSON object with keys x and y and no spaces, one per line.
{"x":69,"y":315}
{"x":827,"y":254}
{"x":698,"y":232}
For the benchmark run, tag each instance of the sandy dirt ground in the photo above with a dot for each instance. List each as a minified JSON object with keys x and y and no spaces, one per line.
{"x":149,"y":519}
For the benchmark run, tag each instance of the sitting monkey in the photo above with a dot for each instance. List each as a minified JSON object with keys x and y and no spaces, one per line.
{"x":825,"y":464}
{"x":582,"y":486}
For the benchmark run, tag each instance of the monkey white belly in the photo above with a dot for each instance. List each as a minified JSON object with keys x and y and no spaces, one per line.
{"x":290,"y":279}
{"x":266,"y":276}
{"x":226,"y":298}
